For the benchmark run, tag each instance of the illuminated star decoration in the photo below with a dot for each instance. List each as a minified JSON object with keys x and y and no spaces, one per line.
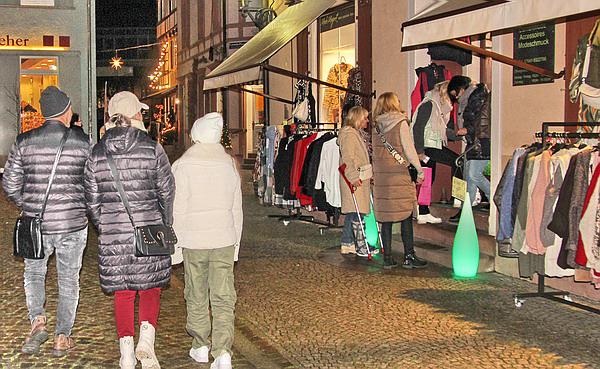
{"x":116,"y":62}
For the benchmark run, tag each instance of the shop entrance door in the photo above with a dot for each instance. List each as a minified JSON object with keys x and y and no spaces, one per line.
{"x":254,"y":118}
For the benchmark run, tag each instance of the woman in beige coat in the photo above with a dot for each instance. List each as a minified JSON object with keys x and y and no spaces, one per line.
{"x":394,"y":192}
{"x":354,"y":153}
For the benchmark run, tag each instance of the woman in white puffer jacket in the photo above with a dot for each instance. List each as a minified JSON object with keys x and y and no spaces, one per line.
{"x":208,"y":223}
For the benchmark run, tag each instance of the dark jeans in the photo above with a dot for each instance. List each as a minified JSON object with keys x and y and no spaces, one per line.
{"x":444,"y":156}
{"x":406,"y":228}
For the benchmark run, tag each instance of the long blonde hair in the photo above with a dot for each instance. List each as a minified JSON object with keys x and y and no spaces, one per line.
{"x":442,"y":88}
{"x":386,"y":103}
{"x":354,"y":116}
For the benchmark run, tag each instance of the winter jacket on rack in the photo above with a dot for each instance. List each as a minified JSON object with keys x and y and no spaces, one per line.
{"x":328,"y":176}
{"x":312,"y":161}
{"x":427,"y":78}
{"x":451,"y":53}
{"x":27,"y":172}
{"x":146,"y":176}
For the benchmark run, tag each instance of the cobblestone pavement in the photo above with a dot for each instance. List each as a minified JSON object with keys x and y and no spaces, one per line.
{"x":301,"y":304}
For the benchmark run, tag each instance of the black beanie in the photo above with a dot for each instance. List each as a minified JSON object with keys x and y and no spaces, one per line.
{"x":54,"y":102}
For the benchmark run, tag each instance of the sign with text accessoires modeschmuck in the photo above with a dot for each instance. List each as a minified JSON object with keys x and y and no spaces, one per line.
{"x":534,"y":45}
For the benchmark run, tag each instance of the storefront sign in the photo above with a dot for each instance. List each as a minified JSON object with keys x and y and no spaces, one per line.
{"x":337,"y":18}
{"x":38,"y":2}
{"x":534,"y":45}
{"x":236,"y":44}
{"x":9,"y":41}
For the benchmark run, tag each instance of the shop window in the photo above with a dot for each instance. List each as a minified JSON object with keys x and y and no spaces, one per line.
{"x":337,"y":55}
{"x":36,"y":74}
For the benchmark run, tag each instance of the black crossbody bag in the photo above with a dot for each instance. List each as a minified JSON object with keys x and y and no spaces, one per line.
{"x":148,"y":240}
{"x":27,"y":236}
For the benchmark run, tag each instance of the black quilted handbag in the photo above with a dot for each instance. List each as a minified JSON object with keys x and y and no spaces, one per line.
{"x":149,"y":240}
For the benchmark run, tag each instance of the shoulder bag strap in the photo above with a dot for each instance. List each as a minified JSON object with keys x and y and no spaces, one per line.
{"x":53,"y":172}
{"x":122,"y":194}
{"x":395,"y":154}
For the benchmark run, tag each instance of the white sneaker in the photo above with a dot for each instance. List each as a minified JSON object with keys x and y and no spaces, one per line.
{"x":144,"y":350}
{"x":127,"y":360}
{"x":199,"y":354}
{"x":457,"y":203}
{"x":428,"y":218}
{"x":222,"y":361}
{"x":477,"y":200}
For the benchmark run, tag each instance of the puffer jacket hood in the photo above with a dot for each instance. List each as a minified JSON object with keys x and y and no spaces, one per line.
{"x":120,"y":140}
{"x":386,"y":122}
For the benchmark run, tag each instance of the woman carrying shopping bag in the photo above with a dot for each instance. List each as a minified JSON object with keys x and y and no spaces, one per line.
{"x":208,"y":221}
{"x":394,"y":192}
{"x":358,"y":171}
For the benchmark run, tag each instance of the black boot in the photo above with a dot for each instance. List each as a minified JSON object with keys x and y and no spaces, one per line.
{"x":389,"y":262}
{"x":386,"y":237}
{"x":455,"y":218}
{"x":411,"y":261}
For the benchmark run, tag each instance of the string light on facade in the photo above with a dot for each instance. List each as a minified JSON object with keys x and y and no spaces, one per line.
{"x":155,"y":77}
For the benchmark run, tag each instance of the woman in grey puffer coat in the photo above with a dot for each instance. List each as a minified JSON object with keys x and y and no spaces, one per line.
{"x":145,"y":174}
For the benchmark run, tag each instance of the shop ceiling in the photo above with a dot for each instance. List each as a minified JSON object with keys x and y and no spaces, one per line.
{"x":447,"y":20}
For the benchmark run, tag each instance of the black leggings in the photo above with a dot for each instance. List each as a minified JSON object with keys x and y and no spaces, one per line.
{"x":406,"y":228}
{"x":444,"y":156}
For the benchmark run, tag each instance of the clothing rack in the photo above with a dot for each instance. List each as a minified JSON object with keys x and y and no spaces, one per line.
{"x":541,"y":292}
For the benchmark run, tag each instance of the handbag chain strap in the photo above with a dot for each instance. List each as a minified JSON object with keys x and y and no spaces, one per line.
{"x":122,"y":194}
{"x":395,"y":154}
{"x":53,"y":172}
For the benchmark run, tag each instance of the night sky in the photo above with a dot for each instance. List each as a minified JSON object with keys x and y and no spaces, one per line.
{"x":122,"y":13}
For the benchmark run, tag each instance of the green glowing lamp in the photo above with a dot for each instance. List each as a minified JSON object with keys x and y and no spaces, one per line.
{"x":371,"y":228}
{"x":465,"y":253}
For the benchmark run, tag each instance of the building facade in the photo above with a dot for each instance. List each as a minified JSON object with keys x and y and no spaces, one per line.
{"x":43,"y":43}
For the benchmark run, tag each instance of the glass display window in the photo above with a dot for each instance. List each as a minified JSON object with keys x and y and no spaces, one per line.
{"x":337,"y":55}
{"x":37,"y":73}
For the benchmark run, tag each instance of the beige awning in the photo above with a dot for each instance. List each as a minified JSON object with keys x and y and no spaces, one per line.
{"x":244,"y":64}
{"x":451,"y":19}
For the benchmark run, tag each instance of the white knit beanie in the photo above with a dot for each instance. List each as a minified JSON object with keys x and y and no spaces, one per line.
{"x":208,"y":129}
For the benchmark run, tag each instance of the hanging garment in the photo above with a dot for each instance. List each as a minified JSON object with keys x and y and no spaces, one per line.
{"x":503,"y":198}
{"x":308,"y":179}
{"x":355,"y":82}
{"x":451,"y":53}
{"x":338,"y":75}
{"x":427,"y":78}
{"x":297,"y":164}
{"x":536,"y":208}
{"x":519,"y":241}
{"x":580,"y":188}
{"x":587,"y":113}
{"x":328,"y":176}
{"x":586,"y":254}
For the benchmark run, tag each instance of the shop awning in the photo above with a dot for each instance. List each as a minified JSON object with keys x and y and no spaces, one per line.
{"x":162,"y":93}
{"x":244,"y":65}
{"x":451,"y":19}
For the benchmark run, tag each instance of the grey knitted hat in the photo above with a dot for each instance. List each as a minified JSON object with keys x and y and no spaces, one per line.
{"x":54,"y":102}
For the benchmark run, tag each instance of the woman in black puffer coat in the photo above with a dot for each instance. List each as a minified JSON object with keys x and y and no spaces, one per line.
{"x":145,"y":173}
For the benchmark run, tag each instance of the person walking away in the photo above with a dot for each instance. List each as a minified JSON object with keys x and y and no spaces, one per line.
{"x":353,"y":153}
{"x":64,"y":227}
{"x":477,"y":120}
{"x":76,"y":123}
{"x":145,"y":173}
{"x":431,"y":134}
{"x":394,"y":192}
{"x":208,"y":221}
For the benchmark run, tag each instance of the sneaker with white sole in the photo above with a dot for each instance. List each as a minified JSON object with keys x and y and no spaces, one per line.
{"x":222,"y":361}
{"x":428,"y":218}
{"x":199,"y":354}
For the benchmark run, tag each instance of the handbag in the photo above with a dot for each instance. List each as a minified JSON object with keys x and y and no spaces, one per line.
{"x":365,"y":172}
{"x":301,"y":111}
{"x":590,"y":95}
{"x":27,"y":236}
{"x":424,"y":189}
{"x":148,"y":240}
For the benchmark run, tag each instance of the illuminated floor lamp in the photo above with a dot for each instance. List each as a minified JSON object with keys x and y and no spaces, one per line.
{"x":465,"y":253}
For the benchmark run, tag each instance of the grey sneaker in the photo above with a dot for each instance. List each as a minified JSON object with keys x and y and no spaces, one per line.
{"x":36,"y":337}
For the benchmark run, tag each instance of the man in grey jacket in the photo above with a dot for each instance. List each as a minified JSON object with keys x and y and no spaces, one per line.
{"x":64,"y":228}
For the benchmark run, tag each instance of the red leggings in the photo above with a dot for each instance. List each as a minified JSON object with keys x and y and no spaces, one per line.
{"x":149,"y":307}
